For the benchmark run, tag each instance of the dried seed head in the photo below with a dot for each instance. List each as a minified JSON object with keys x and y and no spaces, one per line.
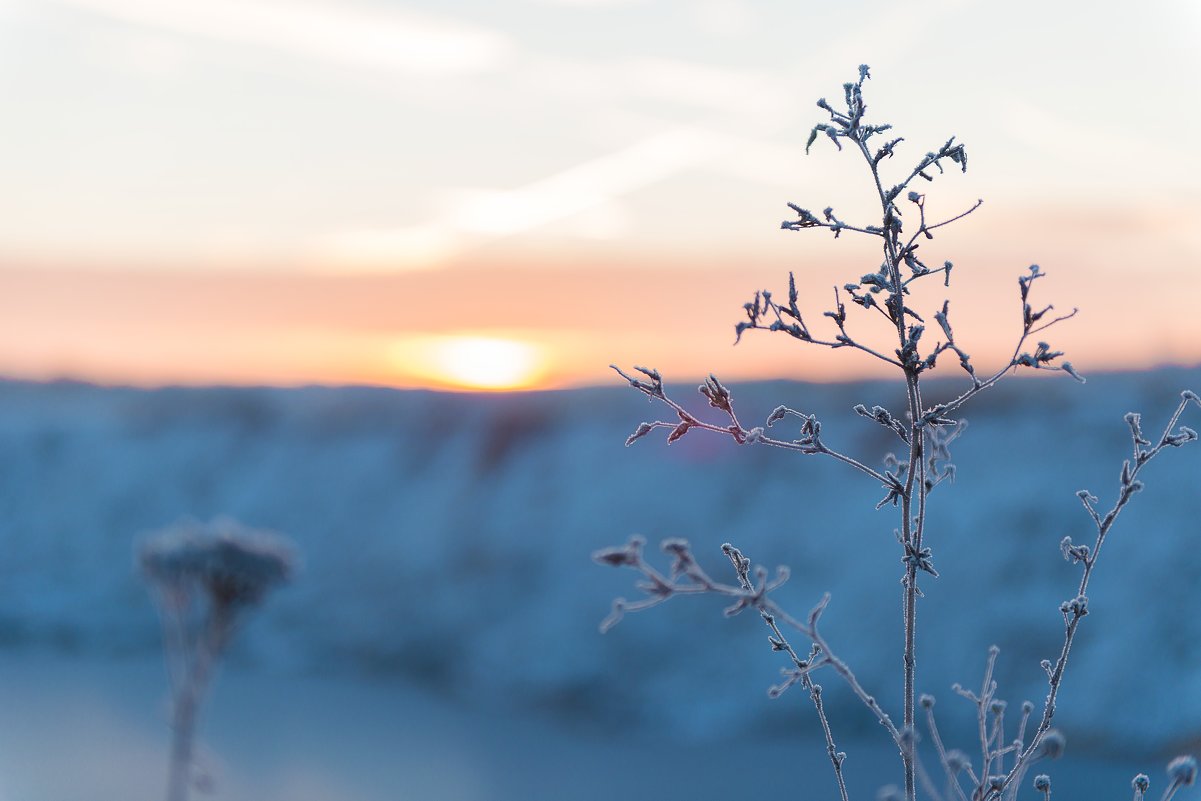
{"x":957,"y":761}
{"x":234,"y":565}
{"x":1053,"y":744}
{"x":1183,"y":770}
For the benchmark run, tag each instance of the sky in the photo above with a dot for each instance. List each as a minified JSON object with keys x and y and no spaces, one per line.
{"x":517,"y":194}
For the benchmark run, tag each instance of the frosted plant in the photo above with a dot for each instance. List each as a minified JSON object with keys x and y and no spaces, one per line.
{"x":924,"y":430}
{"x":205,"y":579}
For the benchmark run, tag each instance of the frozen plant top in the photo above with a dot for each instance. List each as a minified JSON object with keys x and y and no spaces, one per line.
{"x":234,"y":564}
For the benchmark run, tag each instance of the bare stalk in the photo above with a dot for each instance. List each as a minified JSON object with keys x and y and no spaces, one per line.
{"x":908,"y":482}
{"x":1074,"y":610}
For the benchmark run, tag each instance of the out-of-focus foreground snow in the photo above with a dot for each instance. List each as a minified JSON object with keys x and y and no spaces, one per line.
{"x":445,"y":542}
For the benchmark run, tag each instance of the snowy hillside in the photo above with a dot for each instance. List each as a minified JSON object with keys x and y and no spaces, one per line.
{"x":445,"y":541}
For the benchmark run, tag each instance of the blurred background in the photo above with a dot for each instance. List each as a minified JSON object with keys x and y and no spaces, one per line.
{"x":354,"y":272}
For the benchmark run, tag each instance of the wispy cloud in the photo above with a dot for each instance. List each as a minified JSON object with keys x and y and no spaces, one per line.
{"x":487,"y":213}
{"x":586,"y":3}
{"x":345,"y":34}
{"x":589,"y":184}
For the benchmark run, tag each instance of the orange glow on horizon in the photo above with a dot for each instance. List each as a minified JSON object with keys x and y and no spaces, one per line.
{"x":470,"y":362}
{"x":494,"y":325}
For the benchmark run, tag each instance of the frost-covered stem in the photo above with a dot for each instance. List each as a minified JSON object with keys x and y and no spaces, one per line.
{"x":924,"y":227}
{"x":736,"y":430}
{"x":923,"y":776}
{"x":850,"y":343}
{"x":910,"y":534}
{"x":183,"y":669}
{"x":952,"y":778}
{"x":836,"y":756}
{"x":845,"y":460}
{"x":982,"y":705}
{"x":832,"y":659}
{"x":183,"y":726}
{"x":979,"y":386}
{"x":189,"y":697}
{"x":742,"y":569}
{"x":659,"y":588}
{"x":910,"y":612}
{"x":185,"y":707}
{"x":774,"y":614}
{"x":1171,"y":791}
{"x":1128,"y":487}
{"x":1027,"y":708}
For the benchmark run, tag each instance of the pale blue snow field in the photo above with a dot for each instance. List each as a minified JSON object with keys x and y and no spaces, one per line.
{"x":440,"y":640}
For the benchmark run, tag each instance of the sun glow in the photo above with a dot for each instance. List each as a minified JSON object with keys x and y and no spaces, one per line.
{"x":470,"y":362}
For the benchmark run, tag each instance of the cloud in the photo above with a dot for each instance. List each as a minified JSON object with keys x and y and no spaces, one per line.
{"x":480,"y":214}
{"x":735,"y":113}
{"x":360,"y":37}
{"x":587,"y":3}
{"x":589,"y":184}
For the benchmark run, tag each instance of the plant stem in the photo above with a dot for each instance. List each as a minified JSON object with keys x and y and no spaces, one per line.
{"x":1128,"y":486}
{"x":911,"y":535}
{"x":183,"y":730}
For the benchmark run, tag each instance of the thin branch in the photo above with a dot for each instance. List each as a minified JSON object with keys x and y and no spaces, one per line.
{"x":923,"y":228}
{"x":804,"y":666}
{"x":1039,"y":360}
{"x":687,"y":577}
{"x":1075,"y":609}
{"x":720,"y":398}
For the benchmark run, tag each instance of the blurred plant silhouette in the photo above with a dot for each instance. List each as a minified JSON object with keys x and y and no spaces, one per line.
{"x":205,"y":578}
{"x":924,"y":432}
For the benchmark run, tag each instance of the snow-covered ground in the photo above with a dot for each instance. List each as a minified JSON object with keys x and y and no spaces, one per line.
{"x":446,"y":587}
{"x":84,"y":728}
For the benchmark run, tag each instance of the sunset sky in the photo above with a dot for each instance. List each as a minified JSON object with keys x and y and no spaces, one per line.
{"x":518,"y":193}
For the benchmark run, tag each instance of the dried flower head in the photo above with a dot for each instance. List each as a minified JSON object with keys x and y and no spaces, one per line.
{"x":1183,"y":770}
{"x":1052,"y":745}
{"x":206,"y":576}
{"x":234,"y":565}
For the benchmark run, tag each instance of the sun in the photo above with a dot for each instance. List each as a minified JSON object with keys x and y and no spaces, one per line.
{"x":470,"y":362}
{"x":487,"y":363}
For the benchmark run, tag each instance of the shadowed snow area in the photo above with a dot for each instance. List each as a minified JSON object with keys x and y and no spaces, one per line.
{"x":445,"y":595}
{"x":87,"y":728}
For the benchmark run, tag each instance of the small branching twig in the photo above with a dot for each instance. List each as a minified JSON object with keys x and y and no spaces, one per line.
{"x":686,"y":577}
{"x":990,"y":781}
{"x":802,"y":667}
{"x":1046,"y":742}
{"x":1042,"y":358}
{"x":719,"y":397}
{"x":1075,"y":609}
